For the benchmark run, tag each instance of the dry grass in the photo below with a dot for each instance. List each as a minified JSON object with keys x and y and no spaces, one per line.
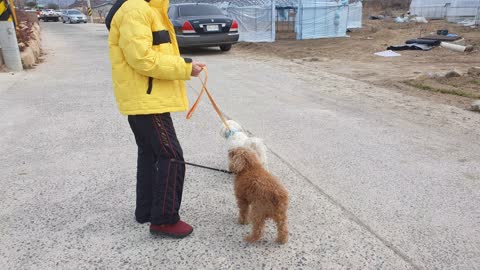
{"x":452,"y":91}
{"x":25,"y":28}
{"x":386,"y":7}
{"x":387,"y":4}
{"x":27,"y":16}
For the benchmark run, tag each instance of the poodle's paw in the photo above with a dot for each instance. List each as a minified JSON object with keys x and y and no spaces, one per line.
{"x":243,"y":221}
{"x":282,"y":240}
{"x":251,"y":238}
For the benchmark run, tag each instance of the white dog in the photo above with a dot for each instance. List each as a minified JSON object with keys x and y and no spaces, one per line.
{"x":236,"y":137}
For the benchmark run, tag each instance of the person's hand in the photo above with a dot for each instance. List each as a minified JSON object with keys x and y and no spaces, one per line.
{"x":197,"y":68}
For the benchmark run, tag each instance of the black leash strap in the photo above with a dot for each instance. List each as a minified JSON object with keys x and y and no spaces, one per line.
{"x":200,"y":166}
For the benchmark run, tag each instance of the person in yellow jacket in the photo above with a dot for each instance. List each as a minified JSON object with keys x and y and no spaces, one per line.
{"x":148,"y":77}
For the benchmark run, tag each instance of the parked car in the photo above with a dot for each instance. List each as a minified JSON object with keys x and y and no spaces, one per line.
{"x":49,"y":15}
{"x":73,"y":16}
{"x":203,"y":25}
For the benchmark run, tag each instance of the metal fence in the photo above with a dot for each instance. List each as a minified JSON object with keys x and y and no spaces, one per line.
{"x":285,"y":20}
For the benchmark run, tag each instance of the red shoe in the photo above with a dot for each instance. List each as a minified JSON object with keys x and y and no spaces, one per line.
{"x":177,"y":230}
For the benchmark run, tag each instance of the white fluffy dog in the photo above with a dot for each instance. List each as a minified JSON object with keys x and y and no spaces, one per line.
{"x":236,"y":137}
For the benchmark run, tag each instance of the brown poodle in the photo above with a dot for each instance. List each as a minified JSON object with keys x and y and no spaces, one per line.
{"x":259,"y":195}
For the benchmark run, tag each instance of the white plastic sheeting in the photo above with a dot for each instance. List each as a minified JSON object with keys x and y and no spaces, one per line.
{"x":461,"y":10}
{"x":355,"y":15}
{"x":320,"y":19}
{"x":256,"y":23}
{"x":256,"y":18}
{"x":430,"y":9}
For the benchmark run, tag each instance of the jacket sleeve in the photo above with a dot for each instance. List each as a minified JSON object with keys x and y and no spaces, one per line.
{"x":136,"y":44}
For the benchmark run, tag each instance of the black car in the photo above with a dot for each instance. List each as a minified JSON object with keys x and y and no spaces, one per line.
{"x":203,"y":25}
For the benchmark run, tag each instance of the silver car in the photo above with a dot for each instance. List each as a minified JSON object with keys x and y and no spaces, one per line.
{"x":73,"y":16}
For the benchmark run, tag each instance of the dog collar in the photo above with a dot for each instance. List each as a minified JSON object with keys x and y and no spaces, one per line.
{"x":230,"y":133}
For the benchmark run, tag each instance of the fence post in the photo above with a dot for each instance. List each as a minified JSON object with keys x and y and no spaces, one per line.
{"x":274,"y":29}
{"x":477,"y":18}
{"x":300,"y":20}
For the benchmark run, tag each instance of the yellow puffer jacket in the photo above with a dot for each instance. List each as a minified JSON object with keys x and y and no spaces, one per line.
{"x":147,"y":70}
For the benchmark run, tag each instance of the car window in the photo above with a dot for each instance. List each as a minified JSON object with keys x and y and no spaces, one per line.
{"x":171,"y":12}
{"x":198,"y":10}
{"x":74,"y":12}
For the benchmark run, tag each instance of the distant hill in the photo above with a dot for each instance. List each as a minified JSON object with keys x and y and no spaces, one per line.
{"x":82,"y":3}
{"x":61,"y":3}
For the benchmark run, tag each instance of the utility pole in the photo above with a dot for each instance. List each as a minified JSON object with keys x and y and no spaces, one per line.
{"x":9,"y":44}
{"x":89,"y":11}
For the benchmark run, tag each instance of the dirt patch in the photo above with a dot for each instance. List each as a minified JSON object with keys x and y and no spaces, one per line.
{"x":464,"y":86}
{"x":353,"y":57}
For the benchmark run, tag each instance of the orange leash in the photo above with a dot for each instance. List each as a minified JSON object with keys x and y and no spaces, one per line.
{"x":204,"y":89}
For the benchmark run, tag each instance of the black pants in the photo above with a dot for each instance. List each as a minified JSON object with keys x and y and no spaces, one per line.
{"x":159,"y":180}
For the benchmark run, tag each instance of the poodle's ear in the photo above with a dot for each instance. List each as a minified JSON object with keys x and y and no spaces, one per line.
{"x":237,"y":160}
{"x":259,"y":148}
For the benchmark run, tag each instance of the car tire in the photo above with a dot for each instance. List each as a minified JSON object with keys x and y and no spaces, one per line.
{"x":85,"y":22}
{"x":63,"y":20}
{"x":225,"y":48}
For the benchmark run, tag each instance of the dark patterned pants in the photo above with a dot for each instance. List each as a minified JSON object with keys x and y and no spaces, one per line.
{"x":159,"y":180}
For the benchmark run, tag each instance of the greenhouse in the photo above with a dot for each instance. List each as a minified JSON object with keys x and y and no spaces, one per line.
{"x":452,"y":10}
{"x":430,"y":9}
{"x":261,"y":20}
{"x":464,"y":10}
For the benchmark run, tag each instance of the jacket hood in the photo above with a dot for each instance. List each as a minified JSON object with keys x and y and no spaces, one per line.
{"x":162,"y":4}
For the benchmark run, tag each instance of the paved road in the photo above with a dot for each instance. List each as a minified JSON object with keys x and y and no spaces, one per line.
{"x":377,"y":180}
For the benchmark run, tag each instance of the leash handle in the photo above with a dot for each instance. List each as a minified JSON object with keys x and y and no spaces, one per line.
{"x":194,"y":107}
{"x":212,"y":101}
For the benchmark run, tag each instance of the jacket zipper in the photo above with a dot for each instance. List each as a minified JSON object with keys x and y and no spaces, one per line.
{"x":150,"y":84}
